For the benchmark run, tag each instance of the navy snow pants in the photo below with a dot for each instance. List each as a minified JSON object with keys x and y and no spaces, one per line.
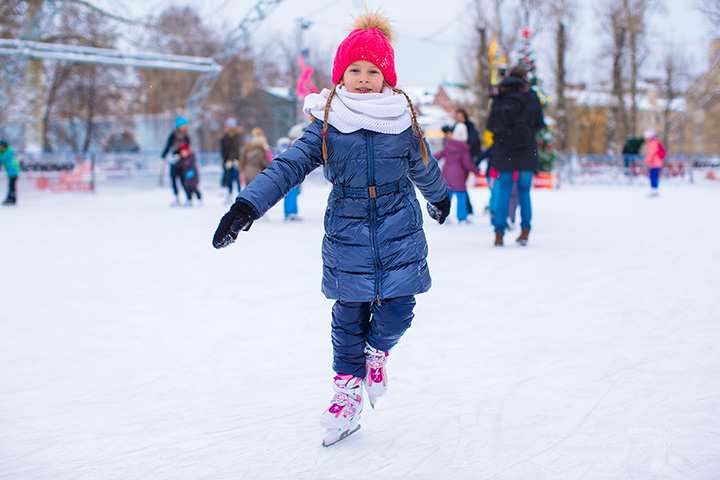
{"x":357,"y":323}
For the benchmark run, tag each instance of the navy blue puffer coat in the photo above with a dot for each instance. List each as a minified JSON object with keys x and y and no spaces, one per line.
{"x":374,"y":246}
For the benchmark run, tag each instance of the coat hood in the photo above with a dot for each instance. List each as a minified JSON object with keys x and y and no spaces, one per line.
{"x":456,"y":147}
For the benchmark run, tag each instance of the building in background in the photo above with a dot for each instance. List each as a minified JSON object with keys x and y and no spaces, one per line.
{"x":703,"y":107}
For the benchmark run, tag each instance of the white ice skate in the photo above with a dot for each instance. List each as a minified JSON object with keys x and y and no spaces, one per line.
{"x":342,"y":417}
{"x":375,"y":374}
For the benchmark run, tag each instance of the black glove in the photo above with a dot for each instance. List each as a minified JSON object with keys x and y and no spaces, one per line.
{"x":238,"y":219}
{"x":440,"y":210}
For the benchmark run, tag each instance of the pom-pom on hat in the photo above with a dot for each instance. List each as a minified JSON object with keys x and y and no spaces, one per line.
{"x":369,"y":41}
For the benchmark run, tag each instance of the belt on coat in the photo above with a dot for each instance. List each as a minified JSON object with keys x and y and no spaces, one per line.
{"x":373,"y":191}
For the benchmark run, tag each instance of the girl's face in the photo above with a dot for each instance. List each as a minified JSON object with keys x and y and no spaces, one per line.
{"x":363,"y":77}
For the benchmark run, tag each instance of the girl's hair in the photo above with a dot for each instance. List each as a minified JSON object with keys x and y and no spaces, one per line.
{"x":464,"y":114}
{"x":519,"y":71}
{"x":416,"y":127}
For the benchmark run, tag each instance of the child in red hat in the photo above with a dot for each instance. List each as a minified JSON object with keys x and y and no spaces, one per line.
{"x":366,"y":136}
{"x":189,"y":173}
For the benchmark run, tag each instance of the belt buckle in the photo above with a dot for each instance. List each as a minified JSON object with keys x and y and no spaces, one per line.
{"x":372,"y":190}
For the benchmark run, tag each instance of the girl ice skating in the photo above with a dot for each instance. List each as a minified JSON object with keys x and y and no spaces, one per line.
{"x":190,"y":174}
{"x":374,"y":250}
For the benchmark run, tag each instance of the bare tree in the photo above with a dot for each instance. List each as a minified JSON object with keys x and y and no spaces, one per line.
{"x":562,"y":13}
{"x":711,"y":9}
{"x":81,"y":92}
{"x":674,"y":67}
{"x":482,"y":79}
{"x":12,"y":13}
{"x":58,"y":75}
{"x":498,"y":20}
{"x":167,"y":90}
{"x":619,"y":126}
{"x":637,"y":15}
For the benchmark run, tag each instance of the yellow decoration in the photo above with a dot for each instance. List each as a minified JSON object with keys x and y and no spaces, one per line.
{"x":487,"y":139}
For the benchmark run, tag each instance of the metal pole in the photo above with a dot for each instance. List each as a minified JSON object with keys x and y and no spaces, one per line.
{"x":34,"y":84}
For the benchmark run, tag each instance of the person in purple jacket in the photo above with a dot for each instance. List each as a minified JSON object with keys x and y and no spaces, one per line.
{"x":458,"y":164}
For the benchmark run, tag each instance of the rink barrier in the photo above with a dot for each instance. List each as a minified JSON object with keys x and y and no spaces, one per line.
{"x":610,"y":169}
{"x":541,"y":180}
{"x":60,"y":172}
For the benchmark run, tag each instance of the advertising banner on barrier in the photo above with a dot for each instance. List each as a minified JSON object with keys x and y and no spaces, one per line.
{"x":542,"y":180}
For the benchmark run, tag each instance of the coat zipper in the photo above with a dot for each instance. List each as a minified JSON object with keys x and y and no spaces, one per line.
{"x":373,"y":214}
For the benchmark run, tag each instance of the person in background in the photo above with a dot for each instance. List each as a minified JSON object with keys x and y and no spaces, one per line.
{"x":256,"y":156}
{"x":177,"y":137}
{"x":515,"y":119}
{"x":12,"y":170}
{"x":473,"y":137}
{"x":290,"y":202}
{"x":473,"y":141}
{"x":231,"y":152}
{"x":486,"y":155}
{"x":654,"y":160}
{"x":631,"y":152}
{"x":514,"y":202}
{"x":190,"y":174}
{"x":456,"y":168}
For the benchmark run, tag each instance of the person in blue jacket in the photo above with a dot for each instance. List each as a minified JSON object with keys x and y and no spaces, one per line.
{"x":366,"y":136}
{"x":12,"y":169}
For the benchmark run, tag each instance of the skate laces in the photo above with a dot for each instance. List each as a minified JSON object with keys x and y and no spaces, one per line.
{"x":375,"y":363}
{"x":347,"y":396}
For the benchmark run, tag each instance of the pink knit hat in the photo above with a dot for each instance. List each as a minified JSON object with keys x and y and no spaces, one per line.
{"x":369,"y":41}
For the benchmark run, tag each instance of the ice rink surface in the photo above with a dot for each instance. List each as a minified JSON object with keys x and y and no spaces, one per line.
{"x":130,"y":349}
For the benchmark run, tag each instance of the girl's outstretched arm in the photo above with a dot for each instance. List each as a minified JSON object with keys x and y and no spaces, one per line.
{"x":427,"y":178}
{"x":287,"y":170}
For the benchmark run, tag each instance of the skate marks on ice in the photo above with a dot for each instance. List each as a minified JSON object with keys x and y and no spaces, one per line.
{"x":616,"y":380}
{"x":498,"y":442}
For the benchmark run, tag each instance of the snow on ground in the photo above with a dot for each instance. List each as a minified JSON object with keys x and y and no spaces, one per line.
{"x":130,"y":349}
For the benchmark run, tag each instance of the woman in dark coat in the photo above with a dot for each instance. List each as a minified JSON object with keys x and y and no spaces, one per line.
{"x":515,"y":118}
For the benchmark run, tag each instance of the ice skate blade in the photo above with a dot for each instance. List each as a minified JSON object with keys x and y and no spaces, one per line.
{"x":372,"y":399}
{"x":332,"y":437}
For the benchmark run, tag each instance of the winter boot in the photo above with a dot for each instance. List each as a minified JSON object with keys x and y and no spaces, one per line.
{"x":499,"y":239}
{"x":9,"y":202}
{"x":175,"y":203}
{"x":523,"y":238}
{"x":342,"y":417}
{"x":375,"y":373}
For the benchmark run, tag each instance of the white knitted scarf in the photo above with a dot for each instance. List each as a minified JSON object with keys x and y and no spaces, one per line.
{"x":384,"y":112}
